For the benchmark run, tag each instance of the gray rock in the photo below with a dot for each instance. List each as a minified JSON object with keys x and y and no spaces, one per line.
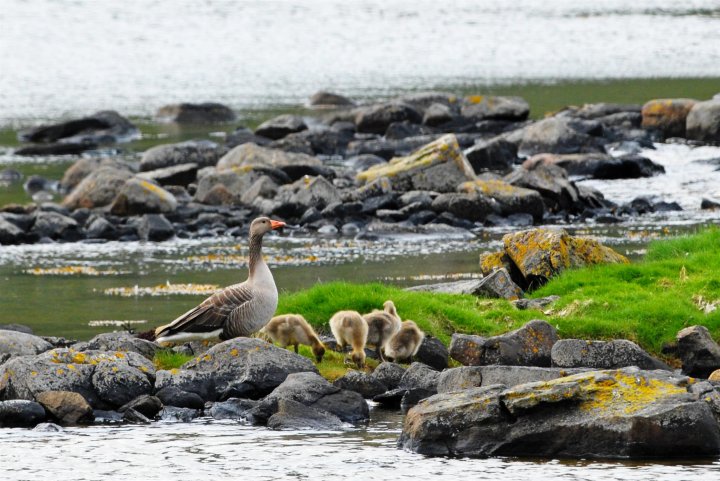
{"x":459,"y":378}
{"x":148,"y":406}
{"x":497,"y":155}
{"x":474,"y":207}
{"x":20,"y":414}
{"x":499,"y":285}
{"x":107,"y":417}
{"x":16,"y":343}
{"x":329,"y":99}
{"x":602,"y":355}
{"x":98,"y":189}
{"x":433,"y":353}
{"x":174,"y":396}
{"x":307,"y":192}
{"x":133,"y":416}
{"x":495,"y":108}
{"x":10,"y":233}
{"x":625,"y":413}
{"x":233,"y":408}
{"x":202,"y":153}
{"x":535,"y":303}
{"x":419,"y":376}
{"x":703,"y":121}
{"x":243,"y":135}
{"x":250,"y":154}
{"x":557,"y":136}
{"x":376,"y":119}
{"x":16,"y":328}
{"x":240,"y":367}
{"x":603,"y":166}
{"x":293,"y":415}
{"x":100,"y":128}
{"x":123,"y":342}
{"x":280,"y":126}
{"x":364,"y":384}
{"x":528,"y":346}
{"x":100,"y":228}
{"x":155,"y":227}
{"x":699,"y":353}
{"x":180,"y":174}
{"x":179,"y":415}
{"x":378,"y":187}
{"x":437,"y":114}
{"x":56,"y":226}
{"x":349,"y":406}
{"x":389,"y":374}
{"x":139,"y":196}
{"x":68,"y":408}
{"x":236,"y":184}
{"x":188,"y":113}
{"x":48,"y":428}
{"x":78,"y":171}
{"x":262,"y":187}
{"x":117,"y":385}
{"x":558,"y":193}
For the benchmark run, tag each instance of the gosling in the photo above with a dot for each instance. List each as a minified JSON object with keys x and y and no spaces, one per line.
{"x":292,"y":330}
{"x":382,"y":325}
{"x":405,"y":343}
{"x":349,"y":328}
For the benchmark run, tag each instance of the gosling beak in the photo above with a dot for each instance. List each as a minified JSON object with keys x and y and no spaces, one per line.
{"x":276,"y":224}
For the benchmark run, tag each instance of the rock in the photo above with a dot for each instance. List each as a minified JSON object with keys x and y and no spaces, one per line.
{"x":460,"y":378}
{"x":668,"y":116}
{"x":602,"y":355}
{"x":540,"y":254}
{"x":715,"y":376}
{"x":437,"y":114}
{"x":378,"y":187}
{"x":56,"y":226}
{"x":101,"y":128}
{"x":292,"y":415}
{"x":17,"y":343}
{"x":243,"y":135}
{"x":98,"y":189}
{"x":557,"y":136}
{"x":528,"y":346}
{"x":364,"y":384}
{"x":510,"y":199}
{"x":232,"y":184}
{"x":699,"y":353}
{"x":419,"y":376}
{"x":48,"y":428}
{"x":148,"y":406}
{"x":240,"y":367}
{"x":467,"y":377}
{"x":250,"y":154}
{"x":233,"y":408}
{"x":101,"y":377}
{"x":78,"y":171}
{"x":56,"y":148}
{"x":473,"y":206}
{"x":16,"y":328}
{"x":389,"y":374}
{"x":187,"y":113}
{"x":557,"y":192}
{"x":280,"y":126}
{"x":133,"y":416}
{"x":433,"y":353}
{"x":123,"y":342}
{"x":174,"y":396}
{"x":708,"y":204}
{"x":497,"y":155}
{"x":180,"y":174}
{"x":487,"y":107}
{"x":179,"y":415}
{"x":349,"y":406}
{"x":601,"y":166}
{"x":376,"y":119}
{"x":329,"y":99}
{"x":68,"y":408}
{"x":203,"y":153}
{"x":20,"y":414}
{"x":262,"y":187}
{"x":308,"y":192}
{"x":101,"y":228}
{"x":535,"y":303}
{"x":139,"y":196}
{"x":624,"y":413}
{"x":703,"y":121}
{"x":10,"y":233}
{"x":497,"y":284}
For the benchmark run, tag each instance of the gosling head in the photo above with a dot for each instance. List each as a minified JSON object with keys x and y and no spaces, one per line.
{"x":389,"y":307}
{"x":319,"y":352}
{"x":262,"y":225}
{"x":358,"y":358}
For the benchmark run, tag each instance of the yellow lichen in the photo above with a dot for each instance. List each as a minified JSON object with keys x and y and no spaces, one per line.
{"x":234,"y":352}
{"x":78,"y":358}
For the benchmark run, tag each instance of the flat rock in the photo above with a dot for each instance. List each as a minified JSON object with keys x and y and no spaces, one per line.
{"x":364,"y":384}
{"x":602,"y":355}
{"x":557,"y":136}
{"x":293,"y":415}
{"x":250,"y":154}
{"x":102,"y":127}
{"x":180,"y":174}
{"x":233,"y":408}
{"x":202,"y":153}
{"x":494,"y":155}
{"x":376,"y":119}
{"x":488,"y":107}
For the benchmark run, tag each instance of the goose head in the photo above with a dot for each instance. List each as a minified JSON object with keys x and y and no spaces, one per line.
{"x":318,"y":352}
{"x":262,"y":225}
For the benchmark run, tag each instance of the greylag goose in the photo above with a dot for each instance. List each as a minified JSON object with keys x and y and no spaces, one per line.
{"x":291,"y":330}
{"x":405,"y":343}
{"x":382,"y":325}
{"x":349,"y":328}
{"x":237,"y":310}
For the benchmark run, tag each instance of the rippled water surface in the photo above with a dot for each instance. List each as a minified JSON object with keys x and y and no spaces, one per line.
{"x":136,"y":55}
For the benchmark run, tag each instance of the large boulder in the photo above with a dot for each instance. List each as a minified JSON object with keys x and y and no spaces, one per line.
{"x":67,"y":408}
{"x":551,"y":182}
{"x":699,"y":353}
{"x":120,"y":341}
{"x":364,"y":384}
{"x":529,"y":345}
{"x":241,"y":367}
{"x":599,"y":165}
{"x":139,"y":196}
{"x":433,"y":353}
{"x":20,"y":413}
{"x":668,"y":116}
{"x":225,"y":186}
{"x":623,"y":413}
{"x":376,"y":118}
{"x":510,"y":199}
{"x":703,"y":121}
{"x":496,"y":155}
{"x":56,"y":226}
{"x":98,"y":189}
{"x":187,"y":113}
{"x":281,"y":126}
{"x":438,"y":166}
{"x":488,"y":107}
{"x":11,"y":233}
{"x":556,"y":135}
{"x":249,"y":154}
{"x":473,"y":206}
{"x":201,"y":152}
{"x":466,"y":377}
{"x":15,"y":343}
{"x":103,"y":378}
{"x":100,"y":128}
{"x":602,"y":355}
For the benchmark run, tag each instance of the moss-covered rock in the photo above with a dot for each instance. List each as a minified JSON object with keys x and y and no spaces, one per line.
{"x":622,"y":413}
{"x":438,"y":166}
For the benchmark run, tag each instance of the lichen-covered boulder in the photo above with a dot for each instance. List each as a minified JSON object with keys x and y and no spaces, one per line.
{"x":510,"y":199}
{"x":139,"y":196}
{"x":703,"y":121}
{"x":528,"y":346}
{"x":203,"y":153}
{"x":241,"y":367}
{"x":668,"y":116}
{"x":67,"y":408}
{"x":14,"y":343}
{"x":439,"y":166}
{"x":98,"y":189}
{"x":699,"y":353}
{"x":602,"y":355}
{"x":117,"y":385}
{"x":552,"y":183}
{"x":121,"y":341}
{"x":623,"y":413}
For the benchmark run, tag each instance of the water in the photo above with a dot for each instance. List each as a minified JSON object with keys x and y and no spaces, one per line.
{"x":137,"y":55}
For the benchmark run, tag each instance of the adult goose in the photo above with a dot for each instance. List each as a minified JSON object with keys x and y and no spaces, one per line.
{"x":237,"y":310}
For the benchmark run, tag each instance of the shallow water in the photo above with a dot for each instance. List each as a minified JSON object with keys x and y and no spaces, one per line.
{"x":230,"y":450}
{"x":138,"y":55}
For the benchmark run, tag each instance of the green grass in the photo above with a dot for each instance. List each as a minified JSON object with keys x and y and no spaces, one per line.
{"x":167,"y":359}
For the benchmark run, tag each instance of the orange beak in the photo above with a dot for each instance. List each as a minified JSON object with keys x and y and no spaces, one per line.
{"x":276,"y":224}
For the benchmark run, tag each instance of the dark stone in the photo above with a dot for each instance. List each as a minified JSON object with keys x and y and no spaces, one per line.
{"x":496,"y":154}
{"x":699,"y":353}
{"x":20,"y":413}
{"x":364,"y":384}
{"x":535,"y":303}
{"x":101,"y":228}
{"x":243,"y":135}
{"x":474,"y":207}
{"x":155,"y":227}
{"x":349,"y":406}
{"x":329,"y":99}
{"x":709,"y":204}
{"x":182,"y":415}
{"x":181,"y":174}
{"x":233,"y":408}
{"x":602,"y":355}
{"x":377,"y":118}
{"x":280,"y":126}
{"x":55,"y":149}
{"x":402,"y":130}
{"x":293,"y":415}
{"x":174,"y":396}
{"x":102,"y":127}
{"x":133,"y":416}
{"x":148,"y":406}
{"x":56,"y":226}
{"x":433,"y":353}
{"x":204,"y":113}
{"x":557,"y":136}
{"x":389,"y":374}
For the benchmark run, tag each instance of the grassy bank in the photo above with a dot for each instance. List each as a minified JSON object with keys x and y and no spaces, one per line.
{"x":647,"y":302}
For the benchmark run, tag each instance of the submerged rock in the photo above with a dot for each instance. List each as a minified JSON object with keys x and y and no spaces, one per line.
{"x":623,"y":413}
